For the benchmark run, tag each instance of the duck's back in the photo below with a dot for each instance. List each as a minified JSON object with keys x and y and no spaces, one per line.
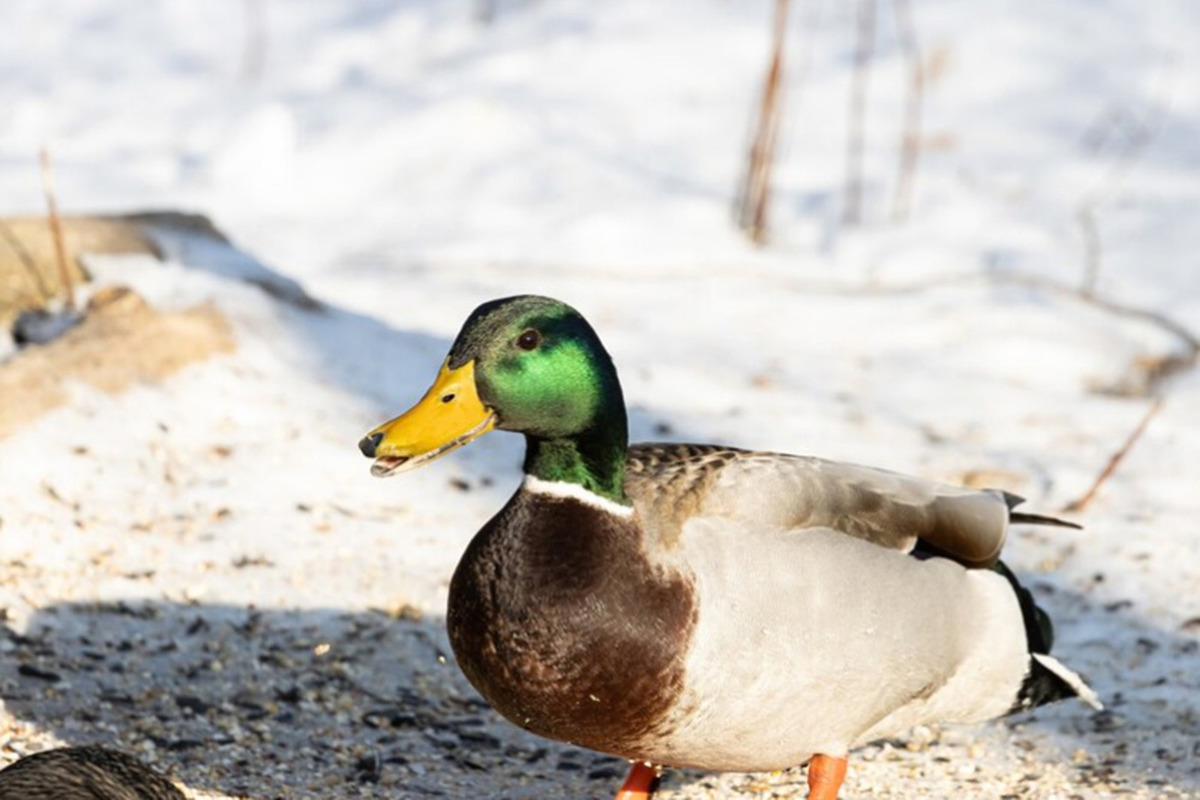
{"x":673,"y":483}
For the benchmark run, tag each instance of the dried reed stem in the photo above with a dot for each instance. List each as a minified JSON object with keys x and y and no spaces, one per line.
{"x":1111,"y":467}
{"x":60,"y":246}
{"x":910,"y":136}
{"x":756,"y":189}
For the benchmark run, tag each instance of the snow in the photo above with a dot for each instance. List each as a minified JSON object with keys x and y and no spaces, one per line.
{"x":405,"y":162}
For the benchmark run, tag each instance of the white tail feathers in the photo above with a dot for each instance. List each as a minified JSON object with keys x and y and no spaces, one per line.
{"x":1082,"y":690}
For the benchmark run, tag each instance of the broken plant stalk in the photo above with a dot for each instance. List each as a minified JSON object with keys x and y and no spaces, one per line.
{"x":1085,"y":500}
{"x":60,"y":247}
{"x":756,"y":190}
{"x":910,"y":137}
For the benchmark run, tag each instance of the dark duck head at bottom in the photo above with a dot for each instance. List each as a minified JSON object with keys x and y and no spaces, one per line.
{"x":84,"y":773}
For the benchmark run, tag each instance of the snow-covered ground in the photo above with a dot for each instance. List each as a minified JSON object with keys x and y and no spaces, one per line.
{"x":406,"y":162}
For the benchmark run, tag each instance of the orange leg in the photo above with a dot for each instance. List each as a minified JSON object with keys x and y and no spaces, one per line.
{"x":640,"y":784}
{"x":825,"y":776}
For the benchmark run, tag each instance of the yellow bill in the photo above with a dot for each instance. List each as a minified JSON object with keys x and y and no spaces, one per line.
{"x":447,"y":417}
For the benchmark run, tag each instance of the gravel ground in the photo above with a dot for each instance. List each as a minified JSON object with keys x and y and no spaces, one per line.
{"x":237,"y":702}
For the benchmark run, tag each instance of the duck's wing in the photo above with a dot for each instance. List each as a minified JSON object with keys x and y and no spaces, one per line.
{"x":670,"y":483}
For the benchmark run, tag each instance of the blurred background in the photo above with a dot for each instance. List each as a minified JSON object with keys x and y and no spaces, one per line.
{"x":955,"y":240}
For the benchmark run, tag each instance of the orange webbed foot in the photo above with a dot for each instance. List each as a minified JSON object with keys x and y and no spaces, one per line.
{"x":825,"y":776}
{"x":640,"y":784}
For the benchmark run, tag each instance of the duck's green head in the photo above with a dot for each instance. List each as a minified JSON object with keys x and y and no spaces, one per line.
{"x":527,"y":364}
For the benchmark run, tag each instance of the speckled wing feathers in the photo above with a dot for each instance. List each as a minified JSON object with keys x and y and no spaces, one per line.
{"x":671,"y":483}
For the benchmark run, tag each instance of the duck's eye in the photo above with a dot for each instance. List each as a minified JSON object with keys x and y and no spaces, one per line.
{"x":529,"y":339}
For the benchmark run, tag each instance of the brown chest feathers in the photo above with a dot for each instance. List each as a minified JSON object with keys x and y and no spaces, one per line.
{"x":557,"y":617}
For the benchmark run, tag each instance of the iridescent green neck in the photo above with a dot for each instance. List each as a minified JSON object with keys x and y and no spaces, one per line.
{"x":593,"y":459}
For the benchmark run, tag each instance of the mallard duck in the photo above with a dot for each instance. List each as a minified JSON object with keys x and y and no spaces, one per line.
{"x":84,"y":773}
{"x":704,"y":606}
